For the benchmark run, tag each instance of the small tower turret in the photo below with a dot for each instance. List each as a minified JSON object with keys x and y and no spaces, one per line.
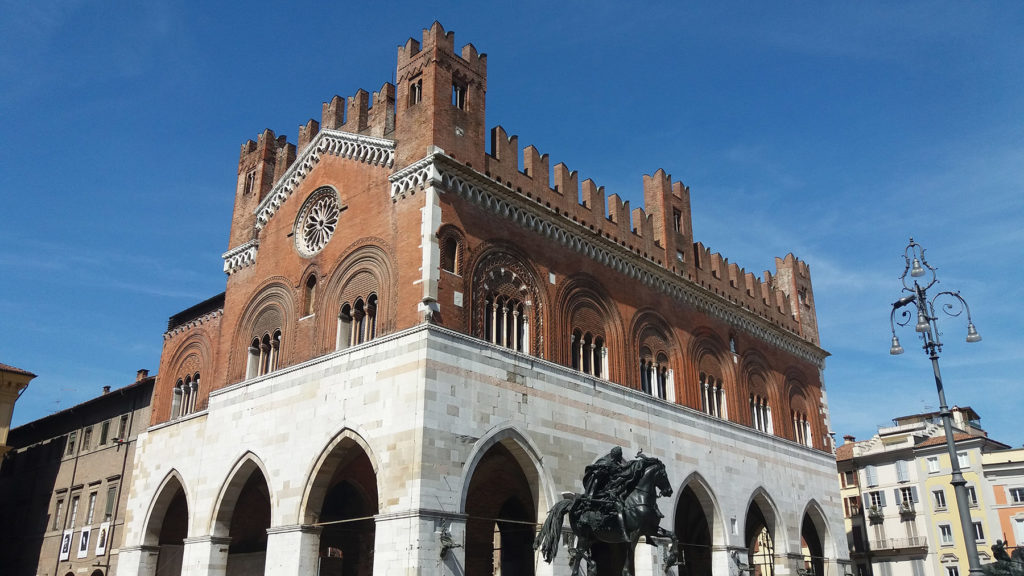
{"x":440,"y":99}
{"x":260,"y":164}
{"x":793,"y":277}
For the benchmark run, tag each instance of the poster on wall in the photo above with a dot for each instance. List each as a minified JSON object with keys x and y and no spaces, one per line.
{"x":83,"y":542}
{"x":65,"y":545}
{"x":101,"y":539}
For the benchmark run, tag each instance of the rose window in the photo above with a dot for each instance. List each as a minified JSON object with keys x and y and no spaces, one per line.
{"x":317,"y":222}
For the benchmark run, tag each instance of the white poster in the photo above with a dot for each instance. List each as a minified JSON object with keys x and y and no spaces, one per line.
{"x":101,"y":539}
{"x":83,"y":542}
{"x":65,"y":545}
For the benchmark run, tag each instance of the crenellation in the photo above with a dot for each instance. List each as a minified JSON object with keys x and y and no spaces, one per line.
{"x":592,"y":197}
{"x":284,"y":157}
{"x":357,"y":116}
{"x":333,"y":115}
{"x":307,"y":132}
{"x":535,"y":166}
{"x":382,"y":112}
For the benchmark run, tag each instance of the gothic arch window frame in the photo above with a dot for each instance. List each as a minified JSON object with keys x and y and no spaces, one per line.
{"x":801,"y":410}
{"x":654,"y":353}
{"x":311,"y":286}
{"x":501,"y":276}
{"x":346,"y":285}
{"x":761,"y":391}
{"x":191,"y":358}
{"x":712,"y":374}
{"x":261,"y":339}
{"x":589,"y":327}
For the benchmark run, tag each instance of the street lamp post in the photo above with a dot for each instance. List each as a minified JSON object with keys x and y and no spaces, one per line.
{"x":927,"y":326}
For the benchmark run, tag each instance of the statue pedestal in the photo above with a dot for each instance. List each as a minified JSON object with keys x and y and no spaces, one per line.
{"x":650,"y":560}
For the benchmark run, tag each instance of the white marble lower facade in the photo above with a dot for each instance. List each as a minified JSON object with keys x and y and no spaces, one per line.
{"x":418,"y":416}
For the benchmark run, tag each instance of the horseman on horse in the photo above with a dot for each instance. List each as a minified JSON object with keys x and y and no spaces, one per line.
{"x":619,"y":505}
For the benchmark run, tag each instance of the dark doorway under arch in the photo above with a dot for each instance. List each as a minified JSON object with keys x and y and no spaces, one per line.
{"x":502,"y":516}
{"x":760,"y":544}
{"x":172,"y":533}
{"x":346,"y":513}
{"x":811,"y":548}
{"x":694,"y":533}
{"x":250,"y":518}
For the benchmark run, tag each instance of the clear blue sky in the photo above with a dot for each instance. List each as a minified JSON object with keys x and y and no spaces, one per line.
{"x":834,"y":132}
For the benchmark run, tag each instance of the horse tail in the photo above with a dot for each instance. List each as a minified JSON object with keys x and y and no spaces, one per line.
{"x":549,"y":535}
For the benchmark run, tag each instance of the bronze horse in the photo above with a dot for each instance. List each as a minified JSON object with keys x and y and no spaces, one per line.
{"x":599,"y":521}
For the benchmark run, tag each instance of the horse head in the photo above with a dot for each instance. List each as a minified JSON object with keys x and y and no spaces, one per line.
{"x":656,"y":477}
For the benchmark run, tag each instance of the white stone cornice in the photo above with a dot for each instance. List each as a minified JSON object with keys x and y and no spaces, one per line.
{"x":469,"y":184}
{"x":415,"y":176}
{"x":366,"y":149}
{"x":240,"y":256}
{"x":193,"y":323}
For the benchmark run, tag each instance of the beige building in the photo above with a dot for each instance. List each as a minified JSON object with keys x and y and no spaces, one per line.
{"x":900,"y":510}
{"x":64,"y":485}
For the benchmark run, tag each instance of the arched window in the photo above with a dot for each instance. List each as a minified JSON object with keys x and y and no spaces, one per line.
{"x":264,"y":354}
{"x":655,"y":373}
{"x":451,"y":249}
{"x":309,"y":296}
{"x":505,"y":306}
{"x":186,"y":394}
{"x":505,"y":322}
{"x":589,"y":354}
{"x":760,"y":414}
{"x":801,"y":428}
{"x":415,"y":91}
{"x":357,"y":322}
{"x":712,"y":395}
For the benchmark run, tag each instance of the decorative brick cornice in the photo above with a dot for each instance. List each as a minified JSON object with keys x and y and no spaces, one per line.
{"x":450,"y":176}
{"x":372,"y":151}
{"x":240,"y":256}
{"x":193,"y":323}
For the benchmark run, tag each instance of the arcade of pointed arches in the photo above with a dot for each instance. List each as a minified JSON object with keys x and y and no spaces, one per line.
{"x":342,"y":497}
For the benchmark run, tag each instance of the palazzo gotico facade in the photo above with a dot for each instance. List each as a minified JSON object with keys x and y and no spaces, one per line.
{"x":427,"y":330}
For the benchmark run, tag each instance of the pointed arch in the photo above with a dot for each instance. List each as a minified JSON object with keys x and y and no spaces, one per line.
{"x":814,"y":526}
{"x":713,"y":391}
{"x":366,"y":275}
{"x":588,"y":329}
{"x":653,"y":356}
{"x":526,"y":454}
{"x":507,"y":302}
{"x":320,"y":473}
{"x":262,"y":336}
{"x":169,"y":494}
{"x":500,"y":501}
{"x":759,"y":387}
{"x":342,"y":496}
{"x":230,"y":490}
{"x":697,"y":522}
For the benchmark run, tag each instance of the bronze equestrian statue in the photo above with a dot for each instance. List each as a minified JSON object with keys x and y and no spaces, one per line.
{"x":619,"y":505}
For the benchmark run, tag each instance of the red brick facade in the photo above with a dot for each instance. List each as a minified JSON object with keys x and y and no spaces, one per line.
{"x":557,"y":256}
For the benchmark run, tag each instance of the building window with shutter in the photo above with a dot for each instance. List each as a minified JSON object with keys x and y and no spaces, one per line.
{"x":933,"y":464}
{"x":108,"y":508}
{"x":871,"y":475}
{"x":902,"y":472}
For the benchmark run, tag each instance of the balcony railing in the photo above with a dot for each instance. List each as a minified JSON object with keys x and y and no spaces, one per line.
{"x":898,"y":543}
